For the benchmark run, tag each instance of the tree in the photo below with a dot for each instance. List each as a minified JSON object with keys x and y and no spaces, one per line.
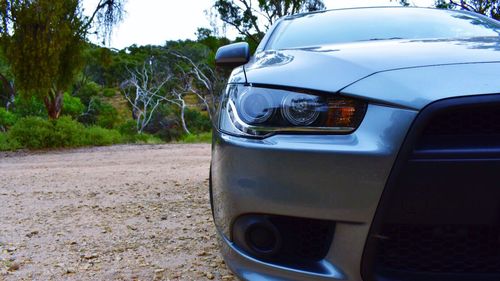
{"x":43,"y":41}
{"x":145,"y":91}
{"x":489,"y":8}
{"x":7,"y":89}
{"x":201,"y":80}
{"x":246,"y":15}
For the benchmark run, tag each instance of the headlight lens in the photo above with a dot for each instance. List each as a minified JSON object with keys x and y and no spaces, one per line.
{"x":260,"y":112}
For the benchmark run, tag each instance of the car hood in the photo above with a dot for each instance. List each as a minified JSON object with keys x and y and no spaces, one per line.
{"x":333,"y":67}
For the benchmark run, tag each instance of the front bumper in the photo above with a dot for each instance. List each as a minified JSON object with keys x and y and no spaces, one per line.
{"x":338,"y":178}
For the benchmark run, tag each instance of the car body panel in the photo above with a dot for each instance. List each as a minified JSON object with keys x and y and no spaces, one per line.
{"x":345,"y":64}
{"x":417,"y":87}
{"x":342,"y":177}
{"x":292,"y":180}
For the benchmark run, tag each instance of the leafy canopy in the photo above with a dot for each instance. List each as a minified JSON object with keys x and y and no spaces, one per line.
{"x":246,"y":15}
{"x":43,"y":42}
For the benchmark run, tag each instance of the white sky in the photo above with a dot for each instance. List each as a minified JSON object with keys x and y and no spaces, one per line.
{"x":156,"y":21}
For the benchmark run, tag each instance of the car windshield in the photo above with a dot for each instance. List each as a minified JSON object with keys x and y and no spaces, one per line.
{"x":351,"y":25}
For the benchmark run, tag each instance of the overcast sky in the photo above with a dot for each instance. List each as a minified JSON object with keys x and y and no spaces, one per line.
{"x":156,"y":21}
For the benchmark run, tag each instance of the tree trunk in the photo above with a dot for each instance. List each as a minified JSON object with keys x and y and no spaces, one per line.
{"x":183,"y":120}
{"x":53,"y":103}
{"x":9,"y":89}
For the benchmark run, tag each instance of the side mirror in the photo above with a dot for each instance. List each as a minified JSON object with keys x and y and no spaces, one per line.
{"x":233,"y":55}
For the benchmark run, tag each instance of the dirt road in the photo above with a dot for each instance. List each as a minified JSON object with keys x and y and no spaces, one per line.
{"x":113,"y":213}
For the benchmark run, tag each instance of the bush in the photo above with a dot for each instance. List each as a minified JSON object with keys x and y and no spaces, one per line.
{"x":37,"y":133}
{"x":100,"y":113}
{"x":197,"y":122}
{"x":100,"y":136}
{"x":72,"y":106}
{"x":107,"y":115}
{"x":7,"y":119}
{"x":6,"y":143}
{"x":29,"y":107}
{"x":109,"y":92}
{"x":32,"y":132}
{"x":67,"y":133}
{"x":87,"y":91}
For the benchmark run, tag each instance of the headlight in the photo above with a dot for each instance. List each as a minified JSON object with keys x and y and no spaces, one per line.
{"x":260,"y":112}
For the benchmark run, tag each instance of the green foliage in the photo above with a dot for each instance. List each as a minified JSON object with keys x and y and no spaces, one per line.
{"x":67,"y":133}
{"x":72,"y":106}
{"x":197,"y":122}
{"x":128,"y":128}
{"x":197,"y":138}
{"x":33,"y":132}
{"x":38,"y":133}
{"x":45,"y":48}
{"x":43,"y":40}
{"x":101,"y":114}
{"x":99,"y":136}
{"x":107,"y":115}
{"x":87,"y":91}
{"x":147,"y":139}
{"x":109,"y":92}
{"x":7,"y":119}
{"x":31,"y":106}
{"x":7,"y":143}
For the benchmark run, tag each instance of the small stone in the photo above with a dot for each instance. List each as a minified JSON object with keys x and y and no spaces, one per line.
{"x":209,"y":275}
{"x":70,"y":270}
{"x":90,"y":256}
{"x":188,"y":216}
{"x":164,"y":218}
{"x":11,"y":249}
{"x":13,"y":267}
{"x":32,"y":233}
{"x":131,"y":227}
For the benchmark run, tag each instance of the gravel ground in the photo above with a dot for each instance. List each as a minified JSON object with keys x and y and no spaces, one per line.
{"x":113,"y":213}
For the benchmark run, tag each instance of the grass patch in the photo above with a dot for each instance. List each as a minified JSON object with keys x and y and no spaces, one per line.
{"x":197,"y":138}
{"x":147,"y":139}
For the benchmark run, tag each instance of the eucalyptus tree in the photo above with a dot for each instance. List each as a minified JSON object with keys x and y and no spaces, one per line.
{"x":252,"y":18}
{"x":43,"y":42}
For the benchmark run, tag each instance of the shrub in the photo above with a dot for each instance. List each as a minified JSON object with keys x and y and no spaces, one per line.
{"x":100,"y":113}
{"x":6,"y":143}
{"x":7,"y":119}
{"x":107,"y":115}
{"x":87,"y":91}
{"x":29,"y":107}
{"x":197,"y":122}
{"x":128,"y":130}
{"x":32,"y":132}
{"x":100,"y":136}
{"x":67,"y":133}
{"x":109,"y":92}
{"x":72,"y":106}
{"x":37,"y":133}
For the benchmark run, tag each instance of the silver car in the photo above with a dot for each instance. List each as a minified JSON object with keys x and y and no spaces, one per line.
{"x":362,"y":144}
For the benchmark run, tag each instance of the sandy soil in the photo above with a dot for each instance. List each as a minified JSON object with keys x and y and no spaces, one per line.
{"x":114,"y":213}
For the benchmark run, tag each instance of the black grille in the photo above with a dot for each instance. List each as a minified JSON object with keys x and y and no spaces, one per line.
{"x":484,"y":120}
{"x":439,"y":215}
{"x":304,"y":240}
{"x":440,"y":249}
